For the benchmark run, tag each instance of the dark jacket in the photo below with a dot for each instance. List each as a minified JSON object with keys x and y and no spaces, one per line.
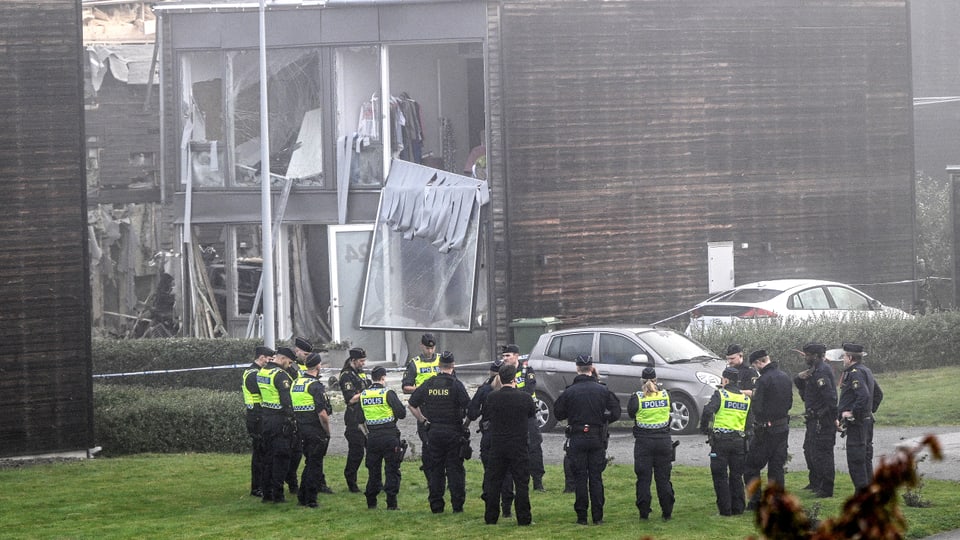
{"x":442,"y":399}
{"x":772,"y":399}
{"x":508,"y":411}
{"x":587,"y":402}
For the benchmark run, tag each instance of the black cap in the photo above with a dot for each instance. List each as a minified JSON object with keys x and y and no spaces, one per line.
{"x":303,"y":344}
{"x":264,"y":351}
{"x":648,"y":373}
{"x":731,"y":373}
{"x":733,"y":349}
{"x":378,"y":373}
{"x":446,"y":357}
{"x":584,"y":360}
{"x":512,"y":348}
{"x":285,"y":351}
{"x":357,"y":353}
{"x":428,"y":340}
{"x":854,"y":348}
{"x":814,"y":348}
{"x":313,"y":360}
{"x":758,"y":354}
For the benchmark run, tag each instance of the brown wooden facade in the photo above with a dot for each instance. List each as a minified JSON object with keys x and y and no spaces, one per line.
{"x":45,"y":367}
{"x":634,"y":133}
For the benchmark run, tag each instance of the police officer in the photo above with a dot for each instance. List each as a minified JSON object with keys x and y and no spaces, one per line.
{"x":588,"y":407}
{"x":860,"y":397}
{"x":653,"y":447}
{"x":381,"y":409}
{"x":312,"y":411}
{"x":296,"y":450}
{"x":819,"y":394}
{"x":252,"y":400}
{"x":418,"y":370}
{"x":302,"y":348}
{"x":477,"y":409}
{"x":279,"y":426}
{"x":353,"y":381}
{"x":527,"y":382}
{"x":507,"y":410}
{"x":772,"y":399}
{"x":441,"y":405}
{"x":423,"y":366}
{"x":724,"y":421}
{"x":748,"y":375}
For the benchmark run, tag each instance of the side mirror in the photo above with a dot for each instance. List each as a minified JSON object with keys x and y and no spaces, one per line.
{"x":640,"y":359}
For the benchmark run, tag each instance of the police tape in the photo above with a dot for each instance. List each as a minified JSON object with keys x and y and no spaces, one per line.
{"x":230,"y":366}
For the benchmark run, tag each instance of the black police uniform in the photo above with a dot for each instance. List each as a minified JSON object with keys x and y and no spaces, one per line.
{"x":353,"y":382}
{"x":254,"y":429}
{"x":772,"y":399}
{"x":527,"y":382}
{"x":587,"y":406}
{"x":860,"y":394}
{"x":383,"y":450}
{"x":443,"y":400}
{"x":410,"y":374}
{"x":728,"y":451}
{"x":314,"y":438}
{"x":818,"y":390}
{"x":507,"y":410}
{"x":477,"y":409}
{"x":652,"y":460}
{"x":278,"y":429}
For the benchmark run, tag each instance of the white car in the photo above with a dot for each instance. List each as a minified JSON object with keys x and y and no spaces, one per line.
{"x":786,"y":299}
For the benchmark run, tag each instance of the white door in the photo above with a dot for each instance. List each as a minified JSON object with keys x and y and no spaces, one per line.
{"x":349,"y":248}
{"x":720,"y":266}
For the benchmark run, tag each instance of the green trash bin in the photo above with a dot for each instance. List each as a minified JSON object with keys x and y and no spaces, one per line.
{"x":527,"y":331}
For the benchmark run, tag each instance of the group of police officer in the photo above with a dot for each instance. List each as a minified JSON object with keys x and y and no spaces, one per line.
{"x":287,"y":416}
{"x":747,"y":422}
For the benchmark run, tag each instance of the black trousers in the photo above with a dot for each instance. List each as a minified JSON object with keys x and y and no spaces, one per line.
{"x":503,"y":463}
{"x":277,"y":441}
{"x":296,"y":451}
{"x":653,"y":460}
{"x":254,"y":430}
{"x":314,"y":440}
{"x":588,"y":459}
{"x":486,"y":458}
{"x":818,"y":441}
{"x":445,"y":466}
{"x":424,"y":441}
{"x":383,"y":452}
{"x":768,"y":449}
{"x":727,"y":458}
{"x":860,"y":452}
{"x":356,"y":442}
{"x":535,"y":443}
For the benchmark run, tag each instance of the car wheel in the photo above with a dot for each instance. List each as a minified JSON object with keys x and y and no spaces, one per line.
{"x":683,"y":415}
{"x":546,"y":421}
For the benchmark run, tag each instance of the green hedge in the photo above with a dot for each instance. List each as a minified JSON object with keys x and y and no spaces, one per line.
{"x":922,"y":342}
{"x":138,"y":355}
{"x":137,"y":419}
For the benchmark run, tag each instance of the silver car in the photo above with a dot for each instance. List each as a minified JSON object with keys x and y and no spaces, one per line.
{"x":686,"y":369}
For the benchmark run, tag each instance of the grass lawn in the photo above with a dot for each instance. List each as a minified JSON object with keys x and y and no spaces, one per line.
{"x":206,"y":496}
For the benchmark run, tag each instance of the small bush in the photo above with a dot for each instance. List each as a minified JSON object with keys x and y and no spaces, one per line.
{"x":137,"y":419}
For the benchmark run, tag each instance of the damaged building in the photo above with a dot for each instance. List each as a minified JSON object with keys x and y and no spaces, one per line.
{"x":455,"y":165}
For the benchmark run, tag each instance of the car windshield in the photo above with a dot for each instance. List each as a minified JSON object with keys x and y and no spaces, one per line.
{"x":749,"y":296}
{"x":674,"y":347}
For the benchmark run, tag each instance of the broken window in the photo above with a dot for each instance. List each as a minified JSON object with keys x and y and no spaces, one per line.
{"x":201,"y":107}
{"x":359,"y":129}
{"x":423,"y":264}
